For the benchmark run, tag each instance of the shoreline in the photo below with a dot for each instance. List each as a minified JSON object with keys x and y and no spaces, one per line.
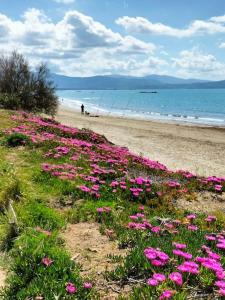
{"x":183,"y":121}
{"x":194,"y":147}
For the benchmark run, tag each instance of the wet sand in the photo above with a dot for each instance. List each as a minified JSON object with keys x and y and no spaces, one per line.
{"x":189,"y":147}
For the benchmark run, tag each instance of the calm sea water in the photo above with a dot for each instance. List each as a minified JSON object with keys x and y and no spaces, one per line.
{"x":194,"y":106}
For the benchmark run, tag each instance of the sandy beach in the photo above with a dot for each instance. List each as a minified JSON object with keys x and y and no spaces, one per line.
{"x":195,"y":148}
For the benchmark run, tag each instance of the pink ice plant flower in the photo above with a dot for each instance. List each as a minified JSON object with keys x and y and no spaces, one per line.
{"x":210,"y":263}
{"x":218,"y":187}
{"x":183,"y":254}
{"x":155,"y":229}
{"x":179,"y":245}
{"x":220,"y":275}
{"x":87,"y":285}
{"x":159,"y":277}
{"x":70,"y":288}
{"x":177,"y":278}
{"x":152,"y":282}
{"x":192,"y":227}
{"x":220,"y":284}
{"x":157,"y":257}
{"x":221,"y":292}
{"x":167,"y":294}
{"x":46,"y":261}
{"x":191,"y":217}
{"x":103,"y":209}
{"x":221,"y":245}
{"x":189,"y":267}
{"x":210,"y":218}
{"x":210,"y":237}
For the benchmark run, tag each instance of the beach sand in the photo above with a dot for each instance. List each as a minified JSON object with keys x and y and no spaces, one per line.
{"x":194,"y":148}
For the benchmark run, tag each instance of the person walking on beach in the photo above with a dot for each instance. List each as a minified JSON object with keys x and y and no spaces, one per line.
{"x":82,"y":109}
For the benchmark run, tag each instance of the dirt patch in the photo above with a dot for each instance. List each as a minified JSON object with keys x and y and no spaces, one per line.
{"x":91,"y":249}
{"x":206,"y":202}
{"x":2,"y":278}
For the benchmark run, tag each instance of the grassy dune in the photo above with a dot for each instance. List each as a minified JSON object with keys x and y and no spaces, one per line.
{"x":54,"y":177}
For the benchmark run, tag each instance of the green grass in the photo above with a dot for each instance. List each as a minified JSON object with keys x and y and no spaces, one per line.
{"x":35,"y":207}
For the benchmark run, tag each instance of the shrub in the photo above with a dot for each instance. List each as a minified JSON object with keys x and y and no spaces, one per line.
{"x":9,"y":101}
{"x":23,"y":89}
{"x":17,"y":139}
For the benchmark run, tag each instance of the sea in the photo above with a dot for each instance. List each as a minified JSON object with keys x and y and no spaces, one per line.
{"x":198,"y":106}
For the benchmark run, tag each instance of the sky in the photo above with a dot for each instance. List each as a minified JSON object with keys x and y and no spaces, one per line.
{"x":183,"y":38}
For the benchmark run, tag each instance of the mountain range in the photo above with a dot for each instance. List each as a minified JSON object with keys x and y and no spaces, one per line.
{"x":120,"y":82}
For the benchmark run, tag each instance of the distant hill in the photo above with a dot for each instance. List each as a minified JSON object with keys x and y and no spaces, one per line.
{"x":119,"y":82}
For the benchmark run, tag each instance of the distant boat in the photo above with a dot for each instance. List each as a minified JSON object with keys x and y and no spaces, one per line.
{"x":147,"y":92}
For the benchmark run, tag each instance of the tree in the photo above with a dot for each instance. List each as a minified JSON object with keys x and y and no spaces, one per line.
{"x":20,"y":88}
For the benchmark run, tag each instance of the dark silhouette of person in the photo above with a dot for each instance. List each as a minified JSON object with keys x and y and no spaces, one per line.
{"x":82,"y":109}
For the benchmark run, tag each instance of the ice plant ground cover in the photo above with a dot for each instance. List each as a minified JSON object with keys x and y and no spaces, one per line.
{"x":52,"y":175}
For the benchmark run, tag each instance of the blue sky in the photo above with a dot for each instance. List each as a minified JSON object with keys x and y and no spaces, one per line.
{"x":89,"y":37}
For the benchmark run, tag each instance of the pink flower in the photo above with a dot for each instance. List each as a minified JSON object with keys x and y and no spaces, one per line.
{"x":220,"y":245}
{"x":151,"y":255}
{"x":220,"y":275}
{"x":191,"y":217}
{"x":141,"y":207}
{"x":210,"y":238}
{"x":210,"y":218}
{"x":218,"y":187}
{"x":70,"y":288}
{"x":214,"y":255}
{"x":157,"y":263}
{"x":188,"y":267}
{"x":221,"y":292}
{"x":179,"y":246}
{"x":46,"y":261}
{"x":167,"y":294}
{"x":133,"y":217}
{"x":152,"y":282}
{"x":192,"y":227}
{"x":183,"y":254}
{"x":176,"y":277}
{"x":139,"y":215}
{"x":87,"y":285}
{"x":155,"y":229}
{"x":159,"y":277}
{"x":220,"y":284}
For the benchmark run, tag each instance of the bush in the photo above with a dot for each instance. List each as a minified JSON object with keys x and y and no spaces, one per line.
{"x":20,"y":88}
{"x":9,"y":101}
{"x":17,"y":139}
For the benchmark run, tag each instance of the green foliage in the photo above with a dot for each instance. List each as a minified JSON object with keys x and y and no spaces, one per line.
{"x":11,"y":192}
{"x":17,"y":139}
{"x":31,"y":277}
{"x":23,"y":89}
{"x":34,"y":213}
{"x":8,"y":233}
{"x":9,"y":101}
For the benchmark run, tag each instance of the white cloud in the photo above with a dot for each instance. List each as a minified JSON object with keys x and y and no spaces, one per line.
{"x":196,"y":63}
{"x":219,"y":19}
{"x":222,"y":45}
{"x":64,"y":1}
{"x":76,"y":43}
{"x":95,"y":62}
{"x":142,"y":25}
